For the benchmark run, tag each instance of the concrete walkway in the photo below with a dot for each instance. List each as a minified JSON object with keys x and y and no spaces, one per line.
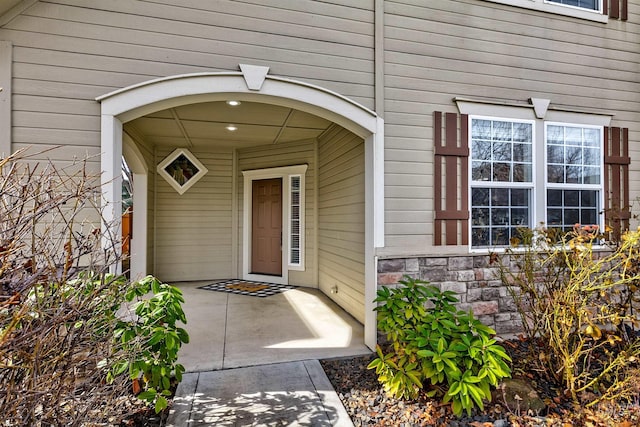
{"x":232,"y":331}
{"x":284,"y":394}
{"x":253,"y":361}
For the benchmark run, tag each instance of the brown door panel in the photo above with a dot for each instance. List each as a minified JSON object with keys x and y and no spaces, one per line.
{"x":266,"y":232}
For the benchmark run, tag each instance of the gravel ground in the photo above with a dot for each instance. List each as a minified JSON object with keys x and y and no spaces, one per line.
{"x":368,"y":404}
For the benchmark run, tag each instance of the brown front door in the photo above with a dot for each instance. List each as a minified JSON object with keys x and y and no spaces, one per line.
{"x":266,"y":232}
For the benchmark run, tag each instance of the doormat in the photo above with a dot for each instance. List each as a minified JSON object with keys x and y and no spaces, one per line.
{"x":245,"y":287}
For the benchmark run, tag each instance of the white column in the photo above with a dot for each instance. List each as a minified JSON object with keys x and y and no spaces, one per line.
{"x":370,"y":273}
{"x":111,"y":179}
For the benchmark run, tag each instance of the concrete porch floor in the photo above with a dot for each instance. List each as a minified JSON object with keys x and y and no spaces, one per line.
{"x":230,"y":331}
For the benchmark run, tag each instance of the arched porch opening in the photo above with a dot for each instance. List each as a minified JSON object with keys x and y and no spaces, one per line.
{"x":251,"y":85}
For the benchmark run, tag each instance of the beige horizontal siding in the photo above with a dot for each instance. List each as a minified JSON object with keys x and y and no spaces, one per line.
{"x":66,"y":53}
{"x":341,"y":219}
{"x":193,"y":230}
{"x":136,"y":37}
{"x":435,"y":51}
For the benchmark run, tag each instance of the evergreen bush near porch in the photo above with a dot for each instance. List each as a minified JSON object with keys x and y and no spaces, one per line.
{"x":435,"y":347}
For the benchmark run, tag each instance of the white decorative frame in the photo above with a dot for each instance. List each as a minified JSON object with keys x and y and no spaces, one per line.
{"x":181,"y":187}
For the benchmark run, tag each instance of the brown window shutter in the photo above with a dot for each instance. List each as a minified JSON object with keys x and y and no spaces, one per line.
{"x":614,"y":9}
{"x":451,"y":192}
{"x":616,"y":179}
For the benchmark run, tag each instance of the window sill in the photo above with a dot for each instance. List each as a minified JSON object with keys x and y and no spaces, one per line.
{"x":557,"y":9}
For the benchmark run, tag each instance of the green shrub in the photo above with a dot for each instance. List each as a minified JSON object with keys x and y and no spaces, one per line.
{"x":152,"y":339}
{"x":579,"y":301}
{"x":430,"y":340}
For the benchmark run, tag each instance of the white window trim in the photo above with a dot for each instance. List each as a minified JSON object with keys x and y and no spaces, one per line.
{"x":558,"y":9}
{"x":284,"y":173}
{"x":539,"y":155}
{"x":181,"y":189}
{"x":502,"y":184}
{"x":561,"y":186}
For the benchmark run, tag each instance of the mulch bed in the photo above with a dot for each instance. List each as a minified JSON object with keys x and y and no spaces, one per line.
{"x":368,"y":404}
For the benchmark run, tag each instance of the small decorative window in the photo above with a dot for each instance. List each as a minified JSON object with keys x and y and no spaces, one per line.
{"x":181,"y":170}
{"x":295,"y":221}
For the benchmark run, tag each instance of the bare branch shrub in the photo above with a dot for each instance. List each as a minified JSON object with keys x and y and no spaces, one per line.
{"x":57,"y":299}
{"x":579,"y":301}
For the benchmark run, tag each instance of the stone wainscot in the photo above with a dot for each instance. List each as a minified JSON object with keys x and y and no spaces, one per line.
{"x":476,"y":283}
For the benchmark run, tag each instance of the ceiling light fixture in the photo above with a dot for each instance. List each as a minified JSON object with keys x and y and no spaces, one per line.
{"x":233,"y":103}
{"x":232,"y":128}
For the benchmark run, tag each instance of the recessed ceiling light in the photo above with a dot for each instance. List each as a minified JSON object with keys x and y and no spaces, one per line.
{"x":233,"y":103}
{"x":232,"y":128}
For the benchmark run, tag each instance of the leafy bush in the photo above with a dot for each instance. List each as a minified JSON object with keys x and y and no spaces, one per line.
{"x":580,"y":302}
{"x":152,"y":339}
{"x":432,"y":341}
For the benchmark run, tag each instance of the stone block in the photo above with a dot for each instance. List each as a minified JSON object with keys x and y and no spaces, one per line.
{"x":494,"y":283}
{"x":481,"y":308}
{"x":502,"y":317}
{"x":411,"y":264}
{"x":466,"y":276}
{"x":389,"y":278}
{"x":464,"y":306}
{"x":509,"y":327}
{"x":391,"y":265}
{"x":491,"y":274}
{"x":461,"y":263}
{"x":487,"y":319}
{"x":479,"y":273}
{"x":474,"y":295}
{"x":480,"y":261}
{"x":507,"y":305}
{"x":451,"y":276}
{"x":431,"y":262}
{"x":457,"y":287}
{"x":433,"y":274}
{"x":491,"y":294}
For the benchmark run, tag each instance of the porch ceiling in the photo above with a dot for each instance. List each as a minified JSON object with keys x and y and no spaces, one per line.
{"x":205,"y":124}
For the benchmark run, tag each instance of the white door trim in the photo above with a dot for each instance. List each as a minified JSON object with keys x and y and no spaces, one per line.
{"x":249,"y":177}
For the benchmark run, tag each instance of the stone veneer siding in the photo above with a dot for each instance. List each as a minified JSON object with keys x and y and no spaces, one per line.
{"x":477,"y":284}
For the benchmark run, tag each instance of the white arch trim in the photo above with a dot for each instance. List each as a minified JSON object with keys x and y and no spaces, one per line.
{"x":135,"y":101}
